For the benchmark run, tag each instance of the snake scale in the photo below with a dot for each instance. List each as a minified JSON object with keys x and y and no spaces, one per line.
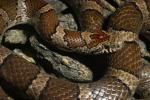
{"x":122,"y":77}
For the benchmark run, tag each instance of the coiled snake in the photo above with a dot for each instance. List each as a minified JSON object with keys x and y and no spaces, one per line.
{"x":122,"y":77}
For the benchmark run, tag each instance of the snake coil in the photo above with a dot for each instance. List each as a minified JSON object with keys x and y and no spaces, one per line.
{"x":122,"y":78}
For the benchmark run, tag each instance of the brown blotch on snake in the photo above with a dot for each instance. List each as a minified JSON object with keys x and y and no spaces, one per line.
{"x":9,"y":8}
{"x":133,"y":19}
{"x":46,"y":22}
{"x":37,"y":87}
{"x":33,"y":6}
{"x":29,"y":78}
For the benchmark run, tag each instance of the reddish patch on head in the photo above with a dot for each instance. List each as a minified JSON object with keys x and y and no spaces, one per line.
{"x":98,"y":38}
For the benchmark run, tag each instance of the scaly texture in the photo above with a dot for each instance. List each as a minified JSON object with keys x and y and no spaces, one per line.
{"x":29,"y":78}
{"x":131,"y":60}
{"x":92,"y":40}
{"x":128,"y":62}
{"x":133,"y":18}
{"x":69,"y":68}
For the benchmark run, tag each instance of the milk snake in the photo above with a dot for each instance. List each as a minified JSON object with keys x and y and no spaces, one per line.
{"x":122,"y":77}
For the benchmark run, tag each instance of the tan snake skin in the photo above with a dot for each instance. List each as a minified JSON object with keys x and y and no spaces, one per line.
{"x":95,"y":42}
{"x":39,"y":85}
{"x":121,"y":79}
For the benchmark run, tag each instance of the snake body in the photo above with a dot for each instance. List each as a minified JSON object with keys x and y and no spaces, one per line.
{"x":38,"y":13}
{"x":39,"y":85}
{"x":143,"y":87}
{"x":122,"y":77}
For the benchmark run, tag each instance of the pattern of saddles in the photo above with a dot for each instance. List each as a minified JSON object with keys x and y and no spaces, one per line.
{"x":122,"y":77}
